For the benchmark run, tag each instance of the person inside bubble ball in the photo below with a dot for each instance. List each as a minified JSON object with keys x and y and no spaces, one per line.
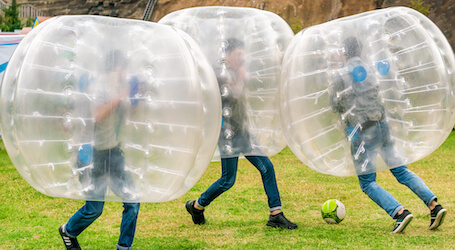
{"x":108,"y":160}
{"x":235,"y":139}
{"x":354,"y":95}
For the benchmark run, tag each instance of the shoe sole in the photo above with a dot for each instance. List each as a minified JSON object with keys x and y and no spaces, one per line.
{"x":404,"y":224}
{"x":439,"y":219}
{"x":274,"y":225}
{"x":270,"y":224}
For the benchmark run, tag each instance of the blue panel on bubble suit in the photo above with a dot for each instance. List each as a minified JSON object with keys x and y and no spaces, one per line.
{"x":161,"y":97}
{"x":359,"y":73}
{"x":383,"y":67}
{"x":400,"y":108}
{"x":248,"y":85}
{"x":86,"y":153}
{"x":134,"y":88}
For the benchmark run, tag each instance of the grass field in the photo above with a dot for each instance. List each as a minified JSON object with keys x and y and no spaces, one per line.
{"x":236,"y":220}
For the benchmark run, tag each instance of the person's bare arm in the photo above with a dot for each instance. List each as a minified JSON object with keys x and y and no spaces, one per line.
{"x":106,"y":109}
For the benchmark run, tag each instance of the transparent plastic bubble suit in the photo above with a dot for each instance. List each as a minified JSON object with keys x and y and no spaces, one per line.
{"x":245,"y":47}
{"x":367,"y":92}
{"x":109,"y":109}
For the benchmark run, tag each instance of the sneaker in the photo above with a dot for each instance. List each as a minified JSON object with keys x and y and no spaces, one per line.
{"x":70,"y":242}
{"x":437,"y":217}
{"x":402,"y":222}
{"x":196,"y":214}
{"x":279,"y":220}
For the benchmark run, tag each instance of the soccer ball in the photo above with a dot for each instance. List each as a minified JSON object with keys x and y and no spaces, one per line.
{"x":333,"y":211}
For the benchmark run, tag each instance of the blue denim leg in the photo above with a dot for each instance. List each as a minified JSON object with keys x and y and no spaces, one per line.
{"x":84,"y":217}
{"x":388,"y":152}
{"x":379,"y":195}
{"x":128,"y":225}
{"x":375,"y":139}
{"x":224,"y":183}
{"x":265,"y":167}
{"x":120,"y":181}
{"x":415,"y":183}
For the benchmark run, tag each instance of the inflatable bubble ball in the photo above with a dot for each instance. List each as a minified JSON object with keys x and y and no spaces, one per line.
{"x":245,"y":48}
{"x":109,"y":109}
{"x":367,"y":92}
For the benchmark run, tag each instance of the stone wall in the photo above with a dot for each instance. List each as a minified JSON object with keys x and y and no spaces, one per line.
{"x":298,"y":13}
{"x":117,"y":8}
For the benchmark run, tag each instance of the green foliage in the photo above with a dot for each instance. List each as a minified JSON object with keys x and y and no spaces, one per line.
{"x":29,"y":22}
{"x":11,"y":19}
{"x":296,"y":25}
{"x":420,"y":6}
{"x":236,"y":219}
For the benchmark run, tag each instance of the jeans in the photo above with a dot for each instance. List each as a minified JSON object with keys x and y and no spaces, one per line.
{"x":385,"y":200}
{"x":93,"y":209}
{"x":376,"y":140}
{"x":228,"y":175}
{"x":109,"y":171}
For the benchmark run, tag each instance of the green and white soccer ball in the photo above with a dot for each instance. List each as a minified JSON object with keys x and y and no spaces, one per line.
{"x":333,"y":211}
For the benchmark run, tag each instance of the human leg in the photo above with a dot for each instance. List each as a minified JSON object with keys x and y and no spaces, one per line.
{"x":265,"y":167}
{"x":122,"y":184}
{"x":364,"y":153}
{"x":386,"y":201}
{"x":402,"y":173}
{"x":372,"y":141}
{"x":128,"y":225}
{"x":121,"y":181}
{"x":85,"y":216}
{"x":379,"y":195}
{"x":418,"y":186}
{"x":415,"y":183}
{"x":224,"y":183}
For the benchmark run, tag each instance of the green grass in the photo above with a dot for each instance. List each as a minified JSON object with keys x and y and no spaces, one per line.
{"x":236,"y":220}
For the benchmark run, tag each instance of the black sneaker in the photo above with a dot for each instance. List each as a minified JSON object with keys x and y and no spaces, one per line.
{"x":279,"y":220}
{"x":437,"y":217}
{"x":402,"y":222}
{"x":196,"y":214}
{"x":70,"y":242}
